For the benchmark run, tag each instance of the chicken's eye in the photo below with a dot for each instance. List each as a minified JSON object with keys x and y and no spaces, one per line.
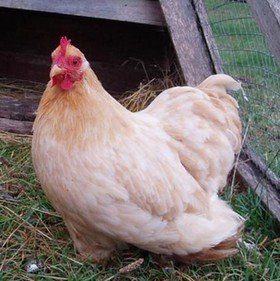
{"x":76,"y":61}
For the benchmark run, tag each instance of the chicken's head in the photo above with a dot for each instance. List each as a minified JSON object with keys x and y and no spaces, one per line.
{"x":68,"y":65}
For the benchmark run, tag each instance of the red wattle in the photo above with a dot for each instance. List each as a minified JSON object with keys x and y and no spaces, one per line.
{"x":66,"y":84}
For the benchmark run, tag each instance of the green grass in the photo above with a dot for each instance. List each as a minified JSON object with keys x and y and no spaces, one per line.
{"x":246,"y":56}
{"x":31,"y":229}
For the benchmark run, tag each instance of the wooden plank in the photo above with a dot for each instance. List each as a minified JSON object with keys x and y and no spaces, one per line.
{"x":262,"y":167}
{"x":267,"y":14}
{"x":208,"y":35}
{"x":188,"y":40}
{"x":263,"y":184}
{"x":15,"y":126}
{"x":137,"y":11}
{"x":18,"y":108}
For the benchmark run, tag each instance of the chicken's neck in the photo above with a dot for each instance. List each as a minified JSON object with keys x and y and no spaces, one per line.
{"x":85,"y":112}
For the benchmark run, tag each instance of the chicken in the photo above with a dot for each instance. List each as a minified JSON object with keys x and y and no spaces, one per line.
{"x":149,"y":178}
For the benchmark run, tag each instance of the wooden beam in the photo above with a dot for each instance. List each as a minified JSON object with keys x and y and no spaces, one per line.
{"x":137,"y":11}
{"x":255,"y":174}
{"x":208,"y":35}
{"x":16,"y":126}
{"x":188,"y":40}
{"x":22,"y":108}
{"x":267,"y":14}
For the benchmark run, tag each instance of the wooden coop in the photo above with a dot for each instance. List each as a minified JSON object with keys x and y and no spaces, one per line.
{"x":126,"y":42}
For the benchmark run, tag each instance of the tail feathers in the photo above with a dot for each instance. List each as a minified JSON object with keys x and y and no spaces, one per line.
{"x":215,"y":87}
{"x":214,"y":238}
{"x":220,"y":80}
{"x":224,"y":249}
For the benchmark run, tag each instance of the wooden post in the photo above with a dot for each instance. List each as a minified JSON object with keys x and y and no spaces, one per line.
{"x":188,"y":40}
{"x":208,"y":35}
{"x":267,"y":14}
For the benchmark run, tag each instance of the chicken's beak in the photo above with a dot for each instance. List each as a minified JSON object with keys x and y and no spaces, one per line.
{"x":56,"y":70}
{"x":55,"y":73}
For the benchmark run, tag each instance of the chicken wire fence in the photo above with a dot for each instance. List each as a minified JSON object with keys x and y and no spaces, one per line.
{"x":245,"y":55}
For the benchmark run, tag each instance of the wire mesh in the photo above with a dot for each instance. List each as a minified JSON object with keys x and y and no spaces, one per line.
{"x":245,"y":55}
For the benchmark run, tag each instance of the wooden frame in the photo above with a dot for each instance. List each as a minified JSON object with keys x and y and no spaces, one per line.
{"x":188,"y":41}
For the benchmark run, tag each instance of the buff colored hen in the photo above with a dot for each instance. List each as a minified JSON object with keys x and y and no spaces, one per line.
{"x":148,"y":178}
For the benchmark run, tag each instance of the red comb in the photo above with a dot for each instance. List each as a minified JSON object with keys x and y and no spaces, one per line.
{"x":64,"y":42}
